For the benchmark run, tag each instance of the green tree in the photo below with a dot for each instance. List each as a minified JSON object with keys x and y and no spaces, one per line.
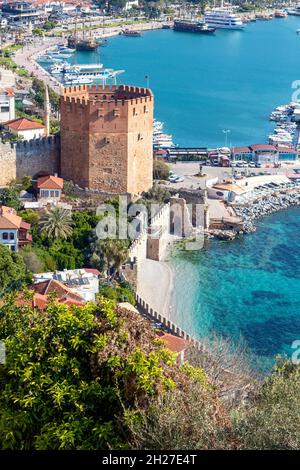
{"x":13,"y":273}
{"x":56,"y":223}
{"x":120,"y":292}
{"x":161,"y":170}
{"x":74,"y":377}
{"x":10,"y":196}
{"x":30,"y":216}
{"x":272,"y":418}
{"x":33,"y":262}
{"x":38,"y":87}
{"x":114,"y":252}
{"x":38,"y":32}
{"x":26,"y":183}
{"x":48,"y":25}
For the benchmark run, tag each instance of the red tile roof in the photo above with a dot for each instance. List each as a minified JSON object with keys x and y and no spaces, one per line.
{"x":62,"y":291}
{"x":93,"y":271}
{"x":40,"y":301}
{"x":241,"y":149}
{"x":7,"y":90}
{"x":50,"y":182}
{"x":174,"y":343}
{"x":23,"y":124}
{"x":10,"y":219}
{"x":25,"y":225}
{"x":263,"y":147}
{"x":286,"y":149}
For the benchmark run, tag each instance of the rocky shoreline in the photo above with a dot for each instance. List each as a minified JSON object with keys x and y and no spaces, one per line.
{"x":257,"y":209}
{"x":274,"y":203}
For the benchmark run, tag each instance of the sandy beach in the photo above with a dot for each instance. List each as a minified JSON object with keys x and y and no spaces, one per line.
{"x":155,"y":285}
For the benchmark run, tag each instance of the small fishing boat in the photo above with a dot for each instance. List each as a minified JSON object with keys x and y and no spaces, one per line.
{"x":131,"y":33}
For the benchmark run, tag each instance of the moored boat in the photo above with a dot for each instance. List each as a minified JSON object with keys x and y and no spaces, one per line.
{"x":131,"y":33}
{"x":280,"y":14}
{"x":223,"y":18}
{"x":193,"y":26}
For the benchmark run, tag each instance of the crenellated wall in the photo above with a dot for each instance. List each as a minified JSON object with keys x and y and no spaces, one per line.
{"x":28,"y":158}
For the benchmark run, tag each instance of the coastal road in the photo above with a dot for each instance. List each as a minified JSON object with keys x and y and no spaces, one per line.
{"x":25,"y":58}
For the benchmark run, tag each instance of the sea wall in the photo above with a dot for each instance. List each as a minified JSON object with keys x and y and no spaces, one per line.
{"x":28,"y":158}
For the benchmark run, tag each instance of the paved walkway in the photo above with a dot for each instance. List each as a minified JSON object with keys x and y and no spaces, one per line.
{"x":25,"y":58}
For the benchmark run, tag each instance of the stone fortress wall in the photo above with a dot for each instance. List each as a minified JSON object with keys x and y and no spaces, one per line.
{"x":29,"y":158}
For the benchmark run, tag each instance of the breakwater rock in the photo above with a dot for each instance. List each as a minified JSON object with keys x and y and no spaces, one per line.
{"x":222,"y":234}
{"x":265,"y":206}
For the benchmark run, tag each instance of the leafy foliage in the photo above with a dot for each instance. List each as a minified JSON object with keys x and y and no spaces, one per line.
{"x":160,"y":170}
{"x":39,"y":88}
{"x":13,"y":273}
{"x":120,"y":292}
{"x":56,"y":224}
{"x":10,"y":196}
{"x":272,"y":419}
{"x":72,"y":374}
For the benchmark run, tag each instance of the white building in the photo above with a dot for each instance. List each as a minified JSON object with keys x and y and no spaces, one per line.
{"x":3,"y":22}
{"x":131,"y":4}
{"x":83,"y":282}
{"x":25,"y":128}
{"x":50,"y":188}
{"x":14,"y":232}
{"x":7,"y":104}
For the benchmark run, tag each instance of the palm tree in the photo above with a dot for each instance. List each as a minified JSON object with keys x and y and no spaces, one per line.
{"x":57,"y":223}
{"x":115,"y":252}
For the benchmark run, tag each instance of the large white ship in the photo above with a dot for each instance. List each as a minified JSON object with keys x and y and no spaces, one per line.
{"x":223,"y":18}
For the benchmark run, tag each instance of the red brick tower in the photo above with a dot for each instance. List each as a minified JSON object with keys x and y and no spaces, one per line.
{"x":106,"y":137}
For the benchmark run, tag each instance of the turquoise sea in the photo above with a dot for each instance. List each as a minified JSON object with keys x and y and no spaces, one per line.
{"x":206,"y":83}
{"x":248,"y":288}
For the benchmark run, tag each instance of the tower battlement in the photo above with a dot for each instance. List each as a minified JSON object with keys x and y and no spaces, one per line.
{"x":95,"y":94}
{"x":121,"y":92}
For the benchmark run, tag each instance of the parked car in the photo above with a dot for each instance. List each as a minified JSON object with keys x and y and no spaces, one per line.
{"x":173,"y":178}
{"x":251,"y":165}
{"x":258,"y":165}
{"x":180,"y":179}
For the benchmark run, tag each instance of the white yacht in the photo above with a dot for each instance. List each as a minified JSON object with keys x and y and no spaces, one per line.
{"x":223,"y":18}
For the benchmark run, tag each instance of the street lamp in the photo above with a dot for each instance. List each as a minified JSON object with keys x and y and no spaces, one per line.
{"x":225,"y":131}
